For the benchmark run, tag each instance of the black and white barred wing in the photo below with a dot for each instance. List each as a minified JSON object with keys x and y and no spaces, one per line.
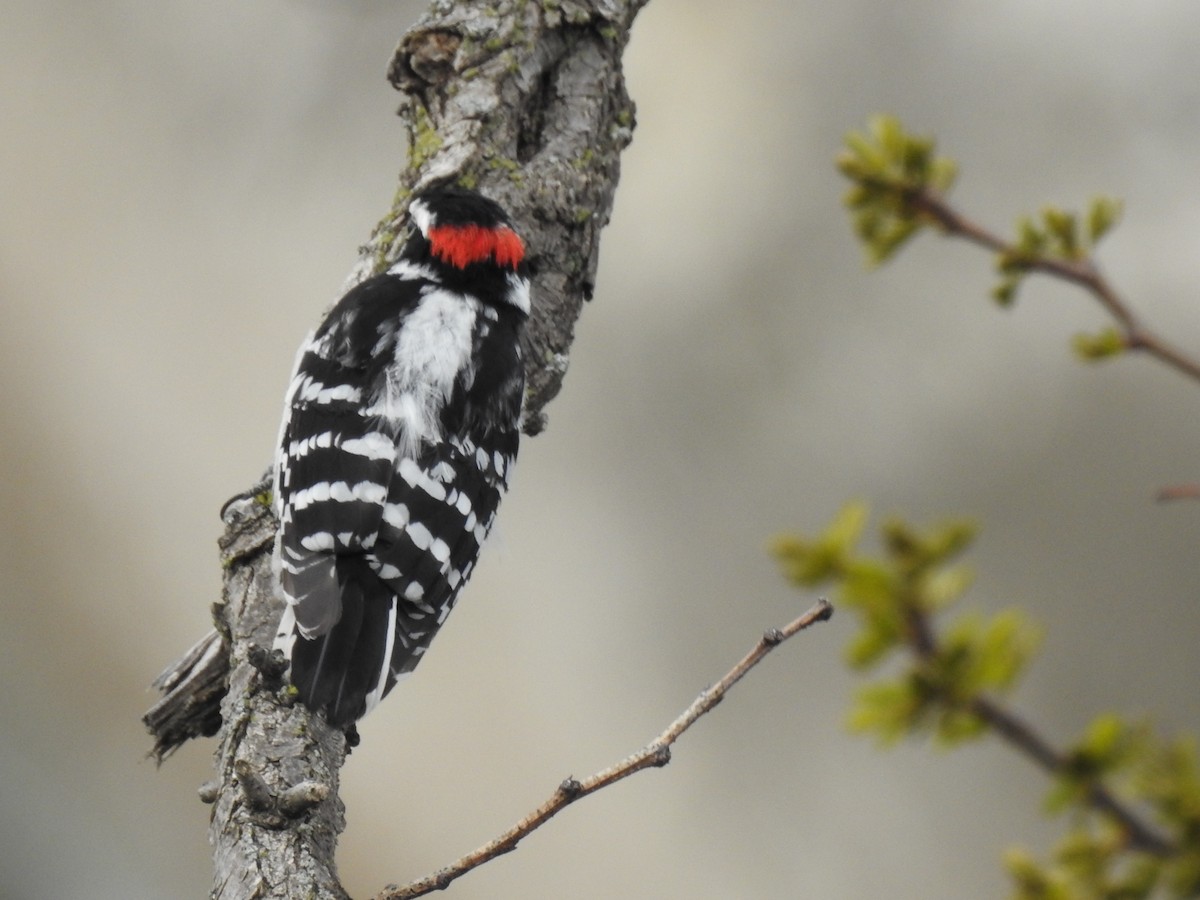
{"x":375,"y":543}
{"x":438,"y":514}
{"x":333,"y":479}
{"x":392,"y":596}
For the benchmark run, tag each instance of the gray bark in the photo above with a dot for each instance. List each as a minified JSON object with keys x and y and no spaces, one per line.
{"x":526,"y":102}
{"x":272,"y":755}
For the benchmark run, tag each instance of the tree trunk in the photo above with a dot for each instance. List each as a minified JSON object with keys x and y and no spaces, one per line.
{"x":526,"y":102}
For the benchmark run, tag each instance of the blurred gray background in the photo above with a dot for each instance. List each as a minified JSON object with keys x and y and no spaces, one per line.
{"x":183,"y":188}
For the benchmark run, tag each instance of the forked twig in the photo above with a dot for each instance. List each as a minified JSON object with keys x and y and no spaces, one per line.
{"x":1082,"y":272}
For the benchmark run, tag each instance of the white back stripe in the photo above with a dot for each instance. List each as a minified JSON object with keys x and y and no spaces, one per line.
{"x":432,"y":347}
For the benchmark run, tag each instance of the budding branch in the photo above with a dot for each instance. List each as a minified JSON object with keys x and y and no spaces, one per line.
{"x":1082,"y":272}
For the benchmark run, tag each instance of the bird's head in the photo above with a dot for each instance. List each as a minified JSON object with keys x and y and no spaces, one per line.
{"x":466,"y":235}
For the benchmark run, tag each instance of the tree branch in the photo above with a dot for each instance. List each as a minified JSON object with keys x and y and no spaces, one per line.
{"x":271,"y":754}
{"x":1022,"y":736}
{"x":655,"y":754}
{"x":527,"y":103}
{"x":1178,"y":492}
{"x":1082,"y":272}
{"x":1028,"y":741}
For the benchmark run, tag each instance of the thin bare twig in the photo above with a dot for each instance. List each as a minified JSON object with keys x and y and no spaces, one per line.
{"x":1178,"y":492}
{"x":1082,"y":272}
{"x":655,"y":754}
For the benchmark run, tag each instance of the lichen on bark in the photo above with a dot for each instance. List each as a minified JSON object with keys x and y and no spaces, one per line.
{"x":525,"y":102}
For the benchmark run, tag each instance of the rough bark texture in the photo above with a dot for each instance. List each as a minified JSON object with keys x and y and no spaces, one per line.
{"x":276,"y":813}
{"x":192,"y":689}
{"x":525,"y":101}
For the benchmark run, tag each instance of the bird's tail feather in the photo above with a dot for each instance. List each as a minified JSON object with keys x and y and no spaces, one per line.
{"x":344,"y":672}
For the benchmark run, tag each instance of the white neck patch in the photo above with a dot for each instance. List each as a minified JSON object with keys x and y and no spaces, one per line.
{"x":422,"y":215}
{"x":518,"y":292}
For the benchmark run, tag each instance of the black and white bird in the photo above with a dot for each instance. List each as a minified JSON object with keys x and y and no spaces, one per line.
{"x":399,"y":435}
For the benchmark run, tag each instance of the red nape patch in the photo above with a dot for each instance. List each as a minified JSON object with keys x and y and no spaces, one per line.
{"x":461,"y":245}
